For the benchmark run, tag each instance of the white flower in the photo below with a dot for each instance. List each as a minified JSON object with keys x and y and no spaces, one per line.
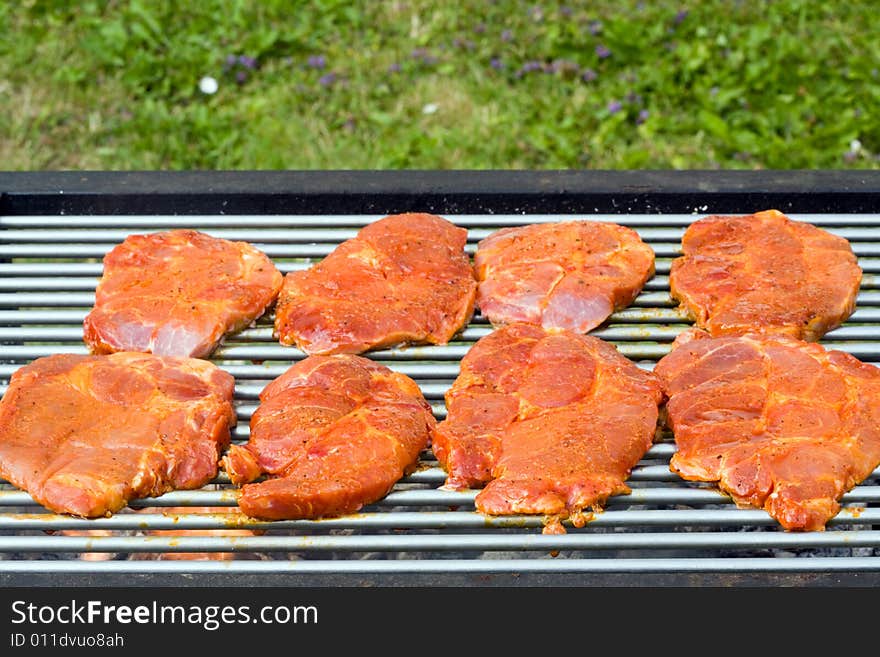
{"x":855,"y":146}
{"x":208,"y":85}
{"x":430,"y":108}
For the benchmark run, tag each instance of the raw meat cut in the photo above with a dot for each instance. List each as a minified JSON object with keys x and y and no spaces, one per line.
{"x":178,"y":293}
{"x":779,"y":423}
{"x":551,"y":422}
{"x":86,"y":434}
{"x":403,"y":279}
{"x":332,"y":434}
{"x":570,"y":274}
{"x":765,"y":273}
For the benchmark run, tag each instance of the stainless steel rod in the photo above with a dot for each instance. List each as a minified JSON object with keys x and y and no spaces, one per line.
{"x":416,"y":370}
{"x":357,"y":220}
{"x":437,"y":497}
{"x":431,"y":473}
{"x":295,"y":235}
{"x":736,"y":565}
{"x":639,"y":351}
{"x":628,"y":315}
{"x":628,"y":518}
{"x":305,"y":234}
{"x":264,"y":334}
{"x":659,"y":332}
{"x":308,"y":249}
{"x":448,"y":542}
{"x":245,"y":411}
{"x":91,"y":269}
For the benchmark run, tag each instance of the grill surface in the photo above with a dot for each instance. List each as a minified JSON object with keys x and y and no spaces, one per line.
{"x":49,"y":266}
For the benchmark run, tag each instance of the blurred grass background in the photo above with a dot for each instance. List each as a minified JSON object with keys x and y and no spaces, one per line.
{"x":423,"y":84}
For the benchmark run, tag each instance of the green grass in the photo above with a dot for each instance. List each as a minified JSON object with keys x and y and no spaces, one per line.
{"x":752,"y":84}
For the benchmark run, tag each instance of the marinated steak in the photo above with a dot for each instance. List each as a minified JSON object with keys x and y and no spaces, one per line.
{"x":778,"y":423}
{"x":86,"y":434}
{"x":403,"y":279}
{"x":765,"y":273}
{"x":332,"y":434}
{"x":551,"y":422}
{"x":569,"y":275}
{"x":178,"y":293}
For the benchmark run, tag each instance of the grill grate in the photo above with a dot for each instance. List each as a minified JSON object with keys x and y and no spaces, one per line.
{"x":49,"y":266}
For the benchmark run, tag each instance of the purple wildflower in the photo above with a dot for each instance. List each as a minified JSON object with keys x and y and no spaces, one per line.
{"x":496,"y":63}
{"x":317,"y":61}
{"x":614,"y":106}
{"x":588,"y":75}
{"x":507,"y":35}
{"x":479,"y":28}
{"x":394,"y":68}
{"x":530,"y":67}
{"x":230,"y":60}
{"x":642,"y":117}
{"x":327,"y":79}
{"x":680,"y":16}
{"x":565,"y":10}
{"x":241,"y":77}
{"x":595,"y":27}
{"x":424,"y":55}
{"x":247,"y":62}
{"x":602,"y":51}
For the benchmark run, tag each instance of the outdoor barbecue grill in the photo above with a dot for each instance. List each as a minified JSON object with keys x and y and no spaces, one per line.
{"x":56,"y":227}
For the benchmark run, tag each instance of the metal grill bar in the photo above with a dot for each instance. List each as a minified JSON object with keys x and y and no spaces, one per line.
{"x":251,"y":222}
{"x":659,"y":473}
{"x":82,"y":299}
{"x":264,"y":333}
{"x":640,"y":473}
{"x":49,"y":266}
{"x":453,"y":352}
{"x":660,"y":333}
{"x":724,"y":517}
{"x":470,"y":566}
{"x":626,"y":316}
{"x":436,"y":543}
{"x":867,"y":251}
{"x":305,"y":235}
{"x":437,"y":497}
